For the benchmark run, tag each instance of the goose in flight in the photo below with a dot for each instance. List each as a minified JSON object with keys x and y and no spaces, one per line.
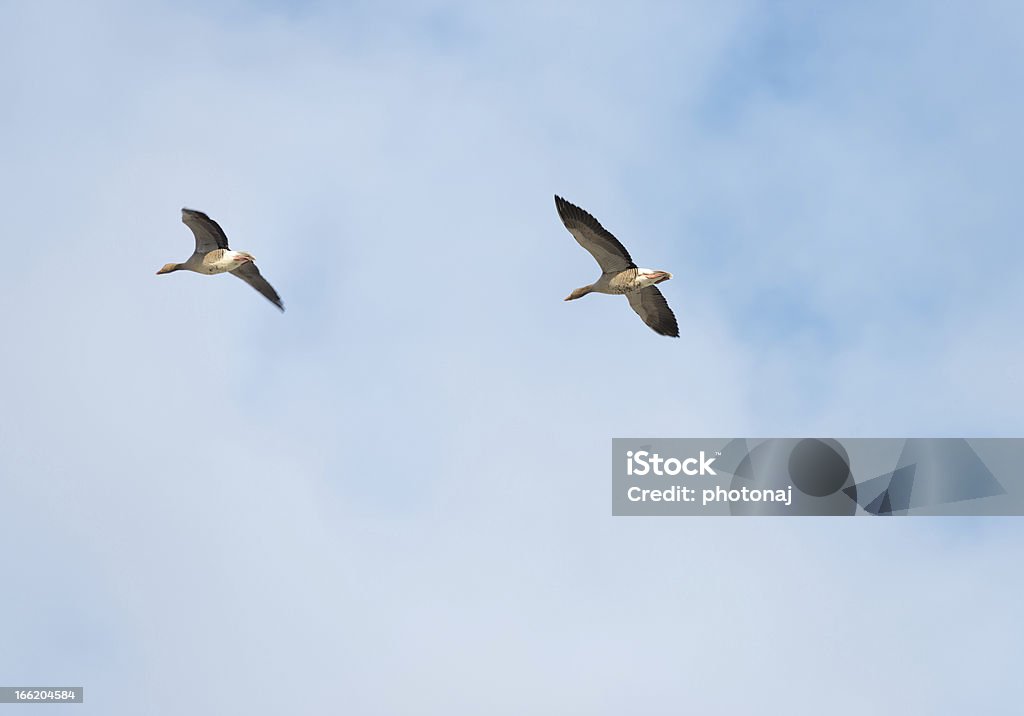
{"x":212,"y":255}
{"x":619,"y":275}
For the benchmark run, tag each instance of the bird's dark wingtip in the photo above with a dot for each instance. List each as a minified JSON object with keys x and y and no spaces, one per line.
{"x":563,"y":207}
{"x":668,"y":331}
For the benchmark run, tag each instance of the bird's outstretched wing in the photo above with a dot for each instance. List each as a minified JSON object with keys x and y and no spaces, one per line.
{"x":209,"y":235}
{"x":251,"y":275}
{"x":651,"y":306}
{"x":610,"y":254}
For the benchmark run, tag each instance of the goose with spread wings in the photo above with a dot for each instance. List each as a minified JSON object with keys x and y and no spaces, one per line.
{"x":213,"y":256}
{"x":619,"y":275}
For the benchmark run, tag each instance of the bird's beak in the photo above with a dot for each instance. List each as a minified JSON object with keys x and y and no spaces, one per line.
{"x":662,"y":276}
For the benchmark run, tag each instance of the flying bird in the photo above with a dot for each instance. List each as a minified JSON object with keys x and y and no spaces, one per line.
{"x":619,"y":275}
{"x":212,"y":256}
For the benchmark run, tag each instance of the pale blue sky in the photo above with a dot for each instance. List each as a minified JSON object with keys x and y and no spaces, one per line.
{"x":394,"y":498}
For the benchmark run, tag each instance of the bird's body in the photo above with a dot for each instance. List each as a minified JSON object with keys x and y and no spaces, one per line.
{"x":216,"y":261}
{"x":212,"y":256}
{"x":224,"y":261}
{"x":628,"y":281}
{"x":619,"y":275}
